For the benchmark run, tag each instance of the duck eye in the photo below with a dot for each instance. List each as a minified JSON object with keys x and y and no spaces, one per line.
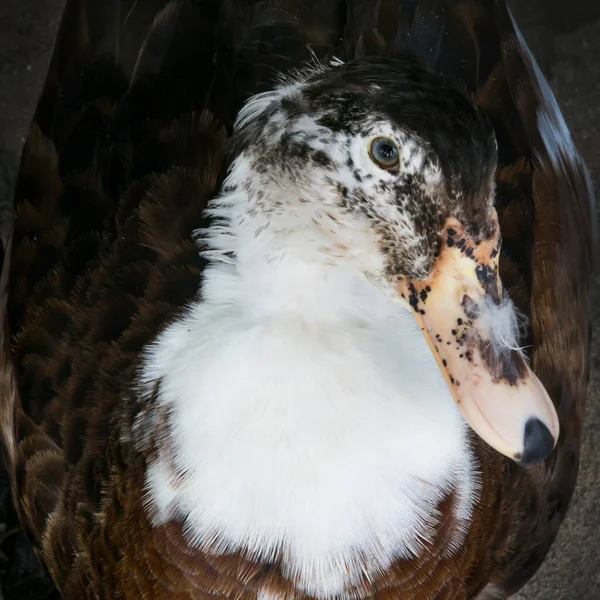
{"x":385,"y":153}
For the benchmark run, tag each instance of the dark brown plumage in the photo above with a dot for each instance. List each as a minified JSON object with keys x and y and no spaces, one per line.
{"x":133,"y":123}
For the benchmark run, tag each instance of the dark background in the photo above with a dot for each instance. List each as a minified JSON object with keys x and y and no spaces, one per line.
{"x":565,"y":37}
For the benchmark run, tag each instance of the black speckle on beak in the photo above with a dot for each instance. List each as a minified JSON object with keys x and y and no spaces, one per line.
{"x":504,"y":366}
{"x":413,"y":298}
{"x":487,"y":278}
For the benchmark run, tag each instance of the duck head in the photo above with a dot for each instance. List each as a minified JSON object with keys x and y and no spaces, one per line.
{"x":388,"y":170}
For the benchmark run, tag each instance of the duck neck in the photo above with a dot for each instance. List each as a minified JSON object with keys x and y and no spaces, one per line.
{"x":295,"y":262}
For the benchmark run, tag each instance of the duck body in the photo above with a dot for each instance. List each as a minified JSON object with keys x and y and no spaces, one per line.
{"x":203,"y":396}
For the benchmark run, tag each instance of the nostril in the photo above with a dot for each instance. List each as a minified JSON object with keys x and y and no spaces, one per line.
{"x":470,"y":307}
{"x":538,"y":442}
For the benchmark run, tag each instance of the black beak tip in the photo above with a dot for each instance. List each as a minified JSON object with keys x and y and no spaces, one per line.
{"x":538,"y":443}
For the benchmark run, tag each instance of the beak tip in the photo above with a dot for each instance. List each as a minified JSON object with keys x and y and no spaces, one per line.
{"x":538,"y":443}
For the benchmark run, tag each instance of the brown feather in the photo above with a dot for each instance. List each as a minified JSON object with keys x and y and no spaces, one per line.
{"x":124,"y":154}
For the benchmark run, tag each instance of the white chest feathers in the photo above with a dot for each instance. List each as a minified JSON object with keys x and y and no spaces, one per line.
{"x":327,"y":445}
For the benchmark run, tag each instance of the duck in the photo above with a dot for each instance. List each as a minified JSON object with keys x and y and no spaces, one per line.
{"x":295,"y":303}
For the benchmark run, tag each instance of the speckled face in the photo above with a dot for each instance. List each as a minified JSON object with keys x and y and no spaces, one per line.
{"x":383,"y":140}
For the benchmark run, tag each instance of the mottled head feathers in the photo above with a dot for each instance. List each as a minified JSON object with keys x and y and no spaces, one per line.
{"x":308,"y":140}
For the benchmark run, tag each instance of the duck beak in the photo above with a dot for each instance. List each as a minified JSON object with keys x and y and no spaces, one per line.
{"x":471,"y":332}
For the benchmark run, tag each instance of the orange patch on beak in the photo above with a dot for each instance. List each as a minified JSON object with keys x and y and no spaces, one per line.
{"x":460,"y":311}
